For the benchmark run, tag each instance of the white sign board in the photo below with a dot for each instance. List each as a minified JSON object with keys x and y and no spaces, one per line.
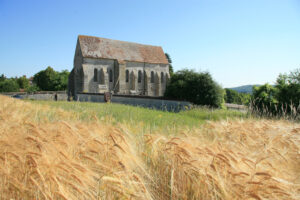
{"x":102,"y":87}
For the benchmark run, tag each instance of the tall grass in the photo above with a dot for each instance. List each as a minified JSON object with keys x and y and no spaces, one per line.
{"x":274,"y":110}
{"x":50,"y":153}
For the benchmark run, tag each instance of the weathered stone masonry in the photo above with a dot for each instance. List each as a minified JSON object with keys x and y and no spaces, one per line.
{"x":102,"y":65}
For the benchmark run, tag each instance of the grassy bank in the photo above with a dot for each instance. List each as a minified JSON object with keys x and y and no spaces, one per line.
{"x":149,"y":118}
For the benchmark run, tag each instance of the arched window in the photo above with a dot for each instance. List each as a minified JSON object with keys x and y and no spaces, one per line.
{"x":140,"y":76}
{"x":152,"y":76}
{"x":127,"y":76}
{"x":110,"y":76}
{"x":162,"y":77}
{"x":95,"y":75}
{"x":102,"y":79}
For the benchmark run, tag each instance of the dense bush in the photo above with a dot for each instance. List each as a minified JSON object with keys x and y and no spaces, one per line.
{"x":198,"y":88}
{"x":51,"y":80}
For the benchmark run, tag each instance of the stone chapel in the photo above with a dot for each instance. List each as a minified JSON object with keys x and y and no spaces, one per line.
{"x":124,"y":68}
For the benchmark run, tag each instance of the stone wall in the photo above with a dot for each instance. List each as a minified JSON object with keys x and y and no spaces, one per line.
{"x":61,"y":96}
{"x":143,"y":101}
{"x":146,"y":86}
{"x":156,"y":103}
{"x":102,"y":82}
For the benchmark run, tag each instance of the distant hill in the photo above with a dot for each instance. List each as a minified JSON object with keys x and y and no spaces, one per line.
{"x":244,"y":88}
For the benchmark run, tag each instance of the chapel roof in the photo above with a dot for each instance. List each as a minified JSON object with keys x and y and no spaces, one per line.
{"x":96,"y":47}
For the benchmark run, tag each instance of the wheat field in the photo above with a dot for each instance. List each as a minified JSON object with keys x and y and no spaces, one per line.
{"x":50,"y":153}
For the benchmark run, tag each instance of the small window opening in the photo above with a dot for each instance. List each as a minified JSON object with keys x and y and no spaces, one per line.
{"x":127,"y":76}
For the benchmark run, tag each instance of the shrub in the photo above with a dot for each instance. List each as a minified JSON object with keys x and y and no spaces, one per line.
{"x":196,"y":87}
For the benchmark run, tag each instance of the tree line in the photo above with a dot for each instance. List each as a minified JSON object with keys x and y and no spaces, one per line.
{"x":197,"y":87}
{"x":45,"y":80}
{"x":282,"y":99}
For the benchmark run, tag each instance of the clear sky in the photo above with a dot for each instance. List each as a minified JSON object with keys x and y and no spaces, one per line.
{"x":238,"y":41}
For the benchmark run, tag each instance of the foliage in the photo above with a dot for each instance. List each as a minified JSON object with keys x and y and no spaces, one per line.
{"x":232,"y":96}
{"x":23,"y":82}
{"x":264,"y":98}
{"x":288,"y":90}
{"x":32,"y":88}
{"x":50,"y":80}
{"x":198,"y":88}
{"x":283,"y":98}
{"x":9,"y":85}
{"x":171,"y":71}
{"x":2,"y":77}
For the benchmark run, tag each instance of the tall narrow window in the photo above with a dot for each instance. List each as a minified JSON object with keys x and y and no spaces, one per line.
{"x":162,"y":77}
{"x":95,"y":75}
{"x":127,"y":76}
{"x":140,"y":76}
{"x":110,"y":76}
{"x":152,"y":77}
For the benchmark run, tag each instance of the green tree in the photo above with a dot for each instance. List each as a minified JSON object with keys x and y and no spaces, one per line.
{"x":264,"y":98}
{"x":288,"y":87}
{"x":171,"y":72}
{"x":51,"y":80}
{"x":231,"y":96}
{"x":2,"y":78}
{"x":9,"y":85}
{"x":23,"y":82}
{"x":283,"y":99}
{"x":198,"y":88}
{"x":62,"y":80}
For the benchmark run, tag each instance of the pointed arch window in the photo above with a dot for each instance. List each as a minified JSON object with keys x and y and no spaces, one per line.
{"x":152,"y":76}
{"x":127,"y":76}
{"x":140,"y":76}
{"x":95,"y":75}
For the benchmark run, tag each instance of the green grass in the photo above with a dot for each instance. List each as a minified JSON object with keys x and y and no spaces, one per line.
{"x":147,"y":118}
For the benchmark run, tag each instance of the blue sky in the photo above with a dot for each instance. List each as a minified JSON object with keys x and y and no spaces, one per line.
{"x":238,"y":41}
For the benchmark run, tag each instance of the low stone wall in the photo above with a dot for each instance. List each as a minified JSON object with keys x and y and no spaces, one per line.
{"x":143,"y":101}
{"x":61,"y":96}
{"x":156,"y":103}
